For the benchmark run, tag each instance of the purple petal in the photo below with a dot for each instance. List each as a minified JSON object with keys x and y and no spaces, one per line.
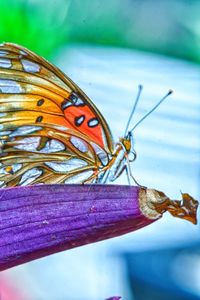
{"x":40,"y":220}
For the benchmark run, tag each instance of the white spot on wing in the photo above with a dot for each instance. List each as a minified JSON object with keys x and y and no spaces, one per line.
{"x":2,"y":142}
{"x":23,"y":130}
{"x":2,"y":184}
{"x":30,"y":176}
{"x":3,"y":171}
{"x":93,"y":122}
{"x":28,"y":144}
{"x":10,"y":86}
{"x":69,"y":165}
{"x":79,"y":178}
{"x":22,"y":52}
{"x":5,"y":63}
{"x":30,"y":66}
{"x":80,"y":120}
{"x":4,"y":133}
{"x":32,"y":143}
{"x":79,"y":144}
{"x":102,"y":155}
{"x":53,"y":146}
{"x":15,"y":168}
{"x":3,"y":115}
{"x":3,"y":53}
{"x":79,"y":102}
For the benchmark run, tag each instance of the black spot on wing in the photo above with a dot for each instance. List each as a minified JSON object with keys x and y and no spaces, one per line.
{"x":79,"y":102}
{"x":93,"y":122}
{"x":79,"y":120}
{"x":65,"y":104}
{"x":72,"y":100}
{"x":40,"y":102}
{"x":39,"y":119}
{"x":73,"y":97}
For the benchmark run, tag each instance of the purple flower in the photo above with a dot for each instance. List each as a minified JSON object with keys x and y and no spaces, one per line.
{"x":37,"y":221}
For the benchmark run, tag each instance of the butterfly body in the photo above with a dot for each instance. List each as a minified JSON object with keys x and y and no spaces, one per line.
{"x":50,"y":131}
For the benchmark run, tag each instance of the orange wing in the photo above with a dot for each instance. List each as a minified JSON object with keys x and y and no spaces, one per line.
{"x":47,"y":124}
{"x":42,"y":87}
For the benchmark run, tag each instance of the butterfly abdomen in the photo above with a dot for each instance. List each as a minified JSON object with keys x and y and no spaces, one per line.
{"x":115,"y":166}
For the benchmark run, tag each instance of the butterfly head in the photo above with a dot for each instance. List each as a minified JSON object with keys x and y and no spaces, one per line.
{"x":128,"y":144}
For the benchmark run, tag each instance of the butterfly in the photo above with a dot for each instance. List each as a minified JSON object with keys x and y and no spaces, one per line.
{"x":50,"y":131}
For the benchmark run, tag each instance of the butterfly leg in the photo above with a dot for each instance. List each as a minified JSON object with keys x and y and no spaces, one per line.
{"x":105,"y":176}
{"x":128,"y":175}
{"x":129,"y":172}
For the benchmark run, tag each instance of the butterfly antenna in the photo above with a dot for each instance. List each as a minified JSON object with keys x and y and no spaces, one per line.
{"x":140,"y":87}
{"x":154,"y":108}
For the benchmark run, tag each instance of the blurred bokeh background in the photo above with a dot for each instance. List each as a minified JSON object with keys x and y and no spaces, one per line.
{"x":168,"y":27}
{"x":108,"y":48}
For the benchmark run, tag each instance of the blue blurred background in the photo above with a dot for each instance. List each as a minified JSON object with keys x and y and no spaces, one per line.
{"x":108,"y":48}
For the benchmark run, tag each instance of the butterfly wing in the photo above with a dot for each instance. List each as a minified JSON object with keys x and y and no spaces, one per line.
{"x":47,"y":124}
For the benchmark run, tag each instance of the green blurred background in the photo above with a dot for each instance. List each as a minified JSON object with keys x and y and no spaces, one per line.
{"x":169,"y":27}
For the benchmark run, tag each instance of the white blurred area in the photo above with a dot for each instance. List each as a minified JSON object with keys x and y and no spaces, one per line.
{"x":168,"y":159}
